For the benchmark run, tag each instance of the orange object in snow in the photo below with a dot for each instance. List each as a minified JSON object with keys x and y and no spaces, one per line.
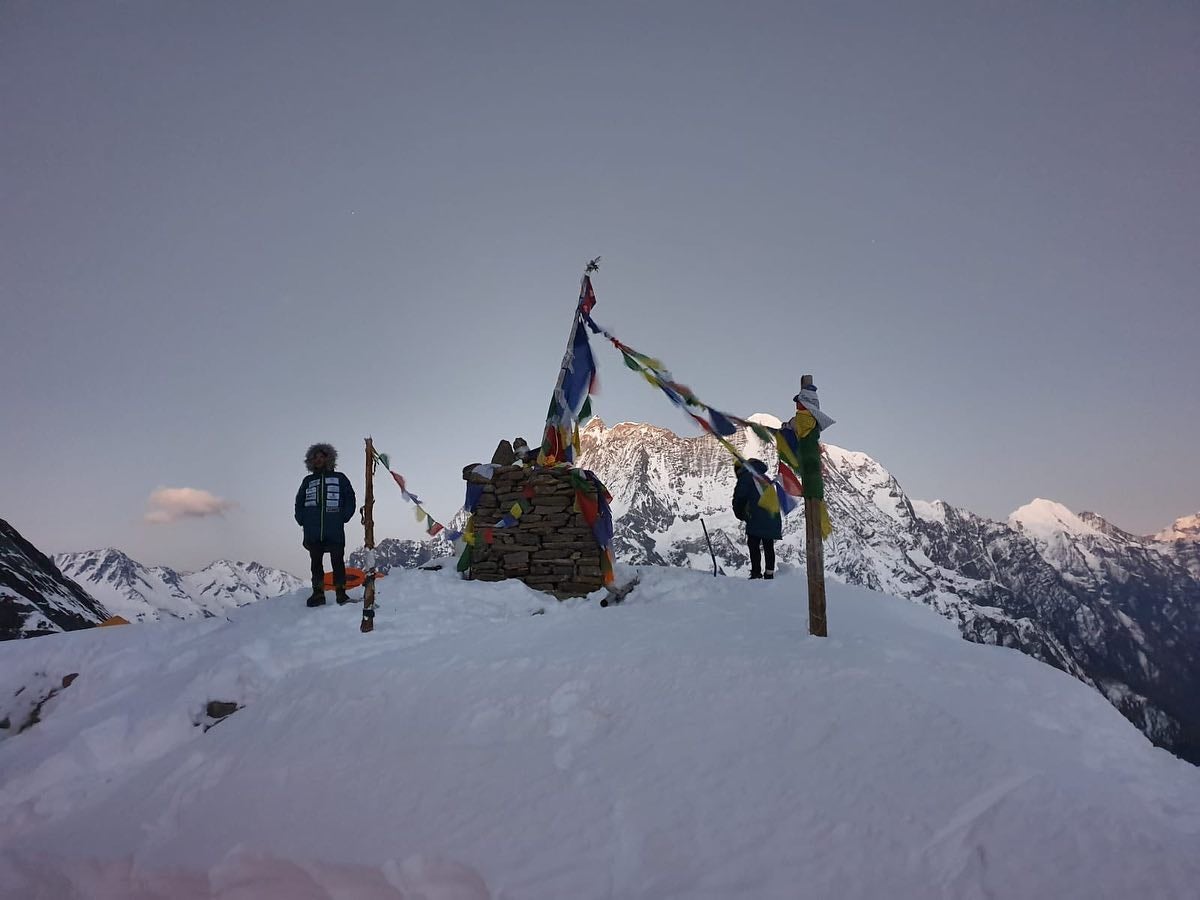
{"x":354,"y":578}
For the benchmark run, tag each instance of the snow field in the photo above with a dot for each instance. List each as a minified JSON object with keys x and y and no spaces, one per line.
{"x":693,"y":742}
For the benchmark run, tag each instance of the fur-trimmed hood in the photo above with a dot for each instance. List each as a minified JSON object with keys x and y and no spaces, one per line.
{"x":330,"y":457}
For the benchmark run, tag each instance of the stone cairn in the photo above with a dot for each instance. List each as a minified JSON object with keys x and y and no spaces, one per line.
{"x":551,"y":548}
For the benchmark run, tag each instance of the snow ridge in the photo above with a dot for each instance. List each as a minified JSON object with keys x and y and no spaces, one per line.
{"x":683,"y":744}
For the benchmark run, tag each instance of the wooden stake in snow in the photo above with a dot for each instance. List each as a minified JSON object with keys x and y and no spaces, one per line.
{"x":814,"y":556}
{"x":368,"y":521}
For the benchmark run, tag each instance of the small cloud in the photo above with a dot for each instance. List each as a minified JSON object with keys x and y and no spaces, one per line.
{"x":167,"y":505}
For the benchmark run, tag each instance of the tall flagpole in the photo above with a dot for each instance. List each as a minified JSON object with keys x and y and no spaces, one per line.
{"x":592,"y":266}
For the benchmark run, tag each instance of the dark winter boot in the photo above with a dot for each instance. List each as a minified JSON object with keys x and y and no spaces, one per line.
{"x":318,"y":594}
{"x":754,"y":575}
{"x":768,"y":575}
{"x":340,"y":595}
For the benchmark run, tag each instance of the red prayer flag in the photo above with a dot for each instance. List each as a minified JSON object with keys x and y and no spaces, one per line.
{"x":790,"y":482}
{"x":587,"y":505}
{"x":587,"y":297}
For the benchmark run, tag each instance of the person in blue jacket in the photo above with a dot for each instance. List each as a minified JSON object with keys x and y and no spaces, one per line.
{"x":763,"y":528}
{"x":324,"y":504}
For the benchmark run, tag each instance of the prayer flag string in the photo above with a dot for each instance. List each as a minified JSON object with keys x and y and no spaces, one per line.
{"x":775,"y":495}
{"x":432,"y":526}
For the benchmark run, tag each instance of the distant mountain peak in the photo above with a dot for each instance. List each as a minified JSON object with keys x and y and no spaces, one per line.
{"x":1042,"y":519}
{"x":1185,"y":528}
{"x":765,"y":419}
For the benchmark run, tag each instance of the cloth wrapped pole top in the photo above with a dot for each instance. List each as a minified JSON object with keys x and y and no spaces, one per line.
{"x":809,"y":400}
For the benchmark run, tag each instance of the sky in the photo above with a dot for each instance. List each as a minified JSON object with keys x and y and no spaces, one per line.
{"x":228,"y":230}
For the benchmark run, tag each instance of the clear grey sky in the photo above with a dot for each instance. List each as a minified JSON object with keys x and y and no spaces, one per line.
{"x":230,"y":229}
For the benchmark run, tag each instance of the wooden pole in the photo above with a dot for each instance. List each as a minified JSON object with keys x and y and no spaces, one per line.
{"x":814,"y":553}
{"x":368,"y":520}
{"x":814,"y":556}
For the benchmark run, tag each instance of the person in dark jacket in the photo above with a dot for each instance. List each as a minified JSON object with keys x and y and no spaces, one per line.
{"x":763,"y":528}
{"x":324,"y":504}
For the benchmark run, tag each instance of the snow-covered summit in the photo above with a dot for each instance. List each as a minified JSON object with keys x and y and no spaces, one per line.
{"x":766,"y":419}
{"x":931,"y":510}
{"x":1185,"y":528}
{"x":692,"y":742}
{"x":1042,"y":520}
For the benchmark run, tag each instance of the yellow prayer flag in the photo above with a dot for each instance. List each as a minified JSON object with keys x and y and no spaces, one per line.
{"x":516,"y":510}
{"x":826,"y":525}
{"x":804,"y":422}
{"x":420,"y":514}
{"x":785,"y":452}
{"x":769,"y":499}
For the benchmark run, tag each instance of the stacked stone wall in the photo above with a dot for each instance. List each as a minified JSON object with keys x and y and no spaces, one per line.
{"x":550,"y":548}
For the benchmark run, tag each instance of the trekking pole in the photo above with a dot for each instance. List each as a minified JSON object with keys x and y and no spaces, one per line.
{"x":368,"y":520}
{"x":710,"y":549}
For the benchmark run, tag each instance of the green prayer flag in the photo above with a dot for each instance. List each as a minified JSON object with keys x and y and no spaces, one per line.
{"x":763,"y":433}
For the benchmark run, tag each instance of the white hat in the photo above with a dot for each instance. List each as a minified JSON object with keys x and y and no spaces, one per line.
{"x":808,"y":399}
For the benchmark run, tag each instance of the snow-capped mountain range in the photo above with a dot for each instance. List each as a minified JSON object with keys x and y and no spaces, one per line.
{"x":1118,"y":611}
{"x":43,"y":595}
{"x":141,"y":593}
